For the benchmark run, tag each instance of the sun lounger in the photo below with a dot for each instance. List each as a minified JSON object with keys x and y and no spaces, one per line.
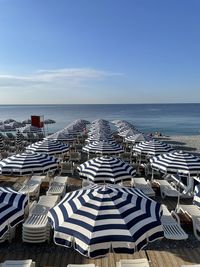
{"x":171,"y":226}
{"x":166,"y":189}
{"x":66,"y":168}
{"x":36,"y":228}
{"x":133,"y":263}
{"x":75,"y":156}
{"x":18,"y":263}
{"x":144,"y":186}
{"x":9,"y":235}
{"x":58,"y":186}
{"x":194,"y":213}
{"x":31,"y":188}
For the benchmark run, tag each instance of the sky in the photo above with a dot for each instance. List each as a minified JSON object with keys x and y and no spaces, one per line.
{"x":99,"y":51}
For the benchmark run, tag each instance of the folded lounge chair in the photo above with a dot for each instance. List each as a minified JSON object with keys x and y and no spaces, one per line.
{"x":36,"y":228}
{"x":171,"y":226}
{"x":133,"y":263}
{"x":144,"y":186}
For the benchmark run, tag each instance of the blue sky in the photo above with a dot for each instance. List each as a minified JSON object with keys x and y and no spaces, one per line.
{"x":99,"y":51}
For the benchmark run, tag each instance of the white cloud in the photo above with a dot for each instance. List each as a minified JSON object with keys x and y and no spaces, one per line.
{"x":61,"y":76}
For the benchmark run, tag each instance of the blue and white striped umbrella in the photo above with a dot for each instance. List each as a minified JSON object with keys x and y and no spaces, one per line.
{"x":12,"y":205}
{"x":106,"y":170}
{"x":103,"y":147}
{"x":62,"y":136}
{"x":28,"y":163}
{"x":152,"y":148}
{"x":99,"y":219}
{"x":177,"y":162}
{"x":48,"y":146}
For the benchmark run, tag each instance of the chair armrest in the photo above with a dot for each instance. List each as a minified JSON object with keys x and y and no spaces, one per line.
{"x":175,"y":216}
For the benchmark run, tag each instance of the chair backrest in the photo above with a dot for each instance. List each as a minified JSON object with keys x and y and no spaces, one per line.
{"x":196,"y":199}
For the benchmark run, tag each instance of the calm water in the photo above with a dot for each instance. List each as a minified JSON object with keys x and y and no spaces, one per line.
{"x":169,"y":119}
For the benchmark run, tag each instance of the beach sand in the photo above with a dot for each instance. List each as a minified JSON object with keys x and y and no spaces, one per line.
{"x":189,"y":143}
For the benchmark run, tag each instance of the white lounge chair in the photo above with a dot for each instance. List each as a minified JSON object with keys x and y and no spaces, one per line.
{"x":9,"y":235}
{"x":75,"y":156}
{"x":66,"y":168}
{"x":18,"y":263}
{"x":36,"y":228}
{"x":133,"y":263}
{"x":31,"y":188}
{"x":144,"y":186}
{"x":166,"y":189}
{"x":171,"y":226}
{"x":58,"y":186}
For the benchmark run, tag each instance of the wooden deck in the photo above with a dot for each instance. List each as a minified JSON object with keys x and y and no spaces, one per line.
{"x":44,"y":255}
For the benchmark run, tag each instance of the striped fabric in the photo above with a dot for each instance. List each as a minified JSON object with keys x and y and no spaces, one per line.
{"x":19,"y":139}
{"x":196,"y":198}
{"x":99,"y":137}
{"x":48,"y":146}
{"x":136,"y":138}
{"x":106,"y":169}
{"x":28,"y":163}
{"x":62,"y":136}
{"x":152,"y":148}
{"x":2,"y":146}
{"x":103,"y":147}
{"x":99,"y":219}
{"x":12,"y":205}
{"x":177,"y":162}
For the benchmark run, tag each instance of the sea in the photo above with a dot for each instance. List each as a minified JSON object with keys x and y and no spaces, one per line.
{"x":168,"y":119}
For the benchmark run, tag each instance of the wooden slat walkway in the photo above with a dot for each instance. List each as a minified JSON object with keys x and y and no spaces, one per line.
{"x":61,"y":257}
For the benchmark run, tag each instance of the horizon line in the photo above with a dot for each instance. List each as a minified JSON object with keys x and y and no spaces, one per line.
{"x":51,"y":104}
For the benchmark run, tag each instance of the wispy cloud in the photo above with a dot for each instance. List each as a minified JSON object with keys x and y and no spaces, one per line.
{"x":61,"y":76}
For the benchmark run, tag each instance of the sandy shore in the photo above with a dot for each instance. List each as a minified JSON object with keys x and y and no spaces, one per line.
{"x":190,"y":143}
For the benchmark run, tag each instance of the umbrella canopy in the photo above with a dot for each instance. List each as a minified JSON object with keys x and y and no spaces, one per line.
{"x":2,"y":146}
{"x":49,"y":121}
{"x":99,"y":137}
{"x":62,"y":136}
{"x":28,"y":163}
{"x":19,"y":139}
{"x":137,"y":138}
{"x":106,"y":169}
{"x":30,"y":129}
{"x":152,"y":148}
{"x":177,"y":162}
{"x":99,"y":219}
{"x":6,"y":127}
{"x":28,"y":121}
{"x":48,"y":146}
{"x":9,"y":121}
{"x":12,"y":205}
{"x":103,"y":147}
